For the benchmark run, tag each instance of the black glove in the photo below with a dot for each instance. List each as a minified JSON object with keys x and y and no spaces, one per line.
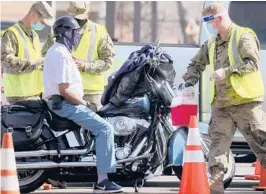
{"x":181,"y":86}
{"x":188,"y":85}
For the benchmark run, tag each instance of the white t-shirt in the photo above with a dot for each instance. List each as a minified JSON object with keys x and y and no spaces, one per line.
{"x":59,"y":67}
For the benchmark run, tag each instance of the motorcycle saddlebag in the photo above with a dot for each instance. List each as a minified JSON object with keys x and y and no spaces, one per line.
{"x":25,"y":125}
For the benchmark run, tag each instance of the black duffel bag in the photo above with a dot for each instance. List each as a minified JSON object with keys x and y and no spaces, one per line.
{"x":24,"y":123}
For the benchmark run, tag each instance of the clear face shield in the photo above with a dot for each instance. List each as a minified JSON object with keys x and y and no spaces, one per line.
{"x":207,"y":24}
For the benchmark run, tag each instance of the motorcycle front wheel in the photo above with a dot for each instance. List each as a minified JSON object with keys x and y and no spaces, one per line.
{"x":229,"y":175}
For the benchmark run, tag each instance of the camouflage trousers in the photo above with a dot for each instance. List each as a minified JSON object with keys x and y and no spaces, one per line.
{"x":12,"y":100}
{"x":94,"y":98}
{"x":249,"y":120}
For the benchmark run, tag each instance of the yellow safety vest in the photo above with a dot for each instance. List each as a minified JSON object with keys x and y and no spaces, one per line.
{"x":26,"y":83}
{"x":249,"y":85}
{"x":87,"y":50}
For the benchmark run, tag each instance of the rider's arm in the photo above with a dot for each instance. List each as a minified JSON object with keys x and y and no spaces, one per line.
{"x":197,"y":65}
{"x":65,"y":76}
{"x":70,"y":95}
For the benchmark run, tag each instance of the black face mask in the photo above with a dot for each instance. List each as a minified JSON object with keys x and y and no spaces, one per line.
{"x":82,"y":22}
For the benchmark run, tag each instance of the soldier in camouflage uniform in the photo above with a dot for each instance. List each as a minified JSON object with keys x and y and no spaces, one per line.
{"x":229,"y":110}
{"x":80,"y":10}
{"x":39,"y":14}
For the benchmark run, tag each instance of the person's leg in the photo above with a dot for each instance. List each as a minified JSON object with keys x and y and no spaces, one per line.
{"x":250,"y":120}
{"x":221,"y":132}
{"x":102,"y":130}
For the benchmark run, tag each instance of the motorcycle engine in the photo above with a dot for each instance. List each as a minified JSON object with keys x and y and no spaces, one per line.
{"x":128,"y":134}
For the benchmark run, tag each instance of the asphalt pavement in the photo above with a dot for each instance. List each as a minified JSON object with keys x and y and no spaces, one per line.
{"x":168,"y":185}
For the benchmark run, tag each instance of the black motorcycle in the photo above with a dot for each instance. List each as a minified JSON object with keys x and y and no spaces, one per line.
{"x":147,"y":145}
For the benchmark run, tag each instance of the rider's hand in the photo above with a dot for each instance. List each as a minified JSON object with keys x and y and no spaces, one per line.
{"x":91,"y":106}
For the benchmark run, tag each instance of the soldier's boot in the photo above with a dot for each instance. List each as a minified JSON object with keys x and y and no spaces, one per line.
{"x":216,"y":181}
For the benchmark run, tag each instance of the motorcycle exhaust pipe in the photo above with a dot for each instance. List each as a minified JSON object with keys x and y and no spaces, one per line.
{"x":47,"y":165}
{"x":138,"y":148}
{"x":41,"y":153}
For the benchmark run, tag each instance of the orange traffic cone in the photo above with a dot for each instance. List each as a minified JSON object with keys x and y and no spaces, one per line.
{"x":194,"y":176}
{"x":262,"y":185}
{"x":258,"y":169}
{"x":9,"y":178}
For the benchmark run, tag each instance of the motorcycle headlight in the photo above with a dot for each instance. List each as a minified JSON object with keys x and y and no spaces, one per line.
{"x":123,"y":126}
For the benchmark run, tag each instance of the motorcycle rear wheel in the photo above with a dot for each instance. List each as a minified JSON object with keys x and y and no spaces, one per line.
{"x":31,"y":180}
{"x":229,"y":175}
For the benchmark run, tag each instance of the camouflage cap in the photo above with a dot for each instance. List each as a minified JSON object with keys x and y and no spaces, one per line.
{"x":45,"y":11}
{"x":79,"y":9}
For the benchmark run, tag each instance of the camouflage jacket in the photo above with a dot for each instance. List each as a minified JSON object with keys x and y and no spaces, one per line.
{"x":9,"y":51}
{"x":105,"y":52}
{"x":225,"y":94}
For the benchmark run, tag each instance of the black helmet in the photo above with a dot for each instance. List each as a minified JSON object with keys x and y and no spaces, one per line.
{"x":63,"y":24}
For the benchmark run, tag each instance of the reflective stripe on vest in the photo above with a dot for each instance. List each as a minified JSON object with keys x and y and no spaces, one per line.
{"x":92,"y":41}
{"x":89,"y":52}
{"x":25,"y":50}
{"x":249,"y":85}
{"x":28,"y":83}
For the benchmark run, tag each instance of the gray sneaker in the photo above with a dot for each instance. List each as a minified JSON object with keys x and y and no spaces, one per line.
{"x":107,"y":186}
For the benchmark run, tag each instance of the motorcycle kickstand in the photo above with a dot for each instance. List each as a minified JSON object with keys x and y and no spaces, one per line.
{"x":139,"y":183}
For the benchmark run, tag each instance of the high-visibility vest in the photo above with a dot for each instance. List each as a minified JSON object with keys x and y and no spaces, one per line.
{"x":94,"y":81}
{"x":87,"y":50}
{"x":247,"y":86}
{"x":28,"y":83}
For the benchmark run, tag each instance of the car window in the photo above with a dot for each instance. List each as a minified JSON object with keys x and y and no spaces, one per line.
{"x":250,"y":14}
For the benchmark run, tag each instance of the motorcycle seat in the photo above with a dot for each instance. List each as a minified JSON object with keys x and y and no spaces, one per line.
{"x":61,"y":124}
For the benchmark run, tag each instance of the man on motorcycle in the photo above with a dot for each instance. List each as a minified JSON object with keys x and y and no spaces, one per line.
{"x":63,"y":91}
{"x":94,"y":54}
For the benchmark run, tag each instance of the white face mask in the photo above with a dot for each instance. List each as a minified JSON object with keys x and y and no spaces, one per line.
{"x":210,"y":30}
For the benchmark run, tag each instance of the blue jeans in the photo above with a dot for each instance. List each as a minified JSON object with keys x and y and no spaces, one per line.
{"x":100,"y":128}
